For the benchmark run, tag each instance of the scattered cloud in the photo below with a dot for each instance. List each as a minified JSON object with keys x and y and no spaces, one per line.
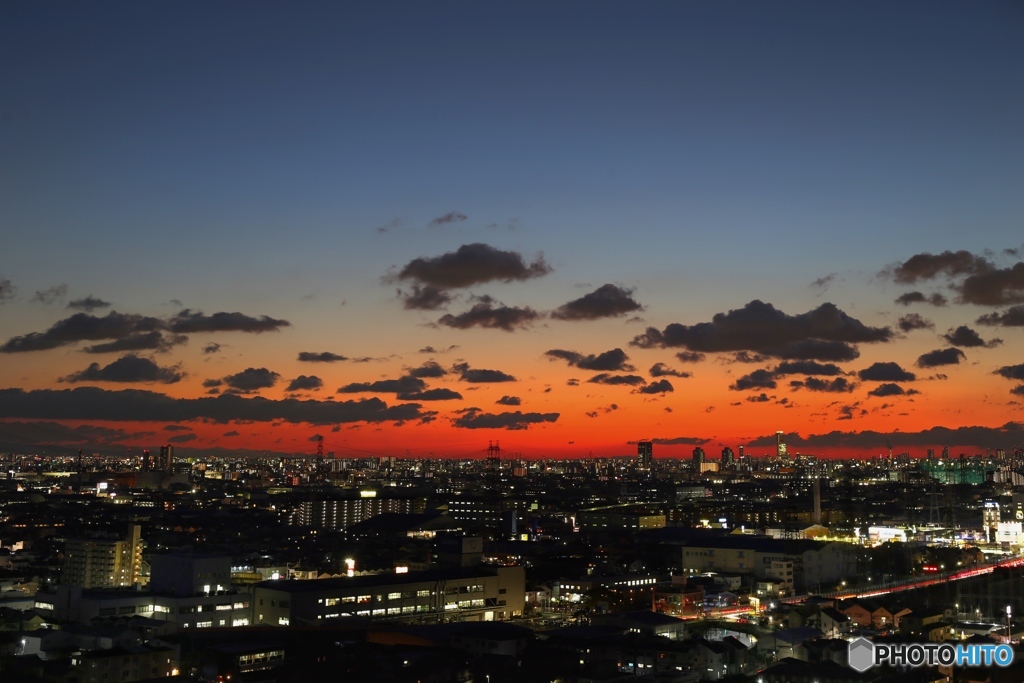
{"x":509,"y":401}
{"x":690,"y":356}
{"x":449,"y":218}
{"x":915,"y":321}
{"x":83,"y":327}
{"x":806,"y":367}
{"x":822,"y":283}
{"x":607,"y":301}
{"x":251,"y":380}
{"x":662,"y":370}
{"x":939,"y":357}
{"x":926,"y":266}
{"x":424,"y":298}
{"x":675,"y":441}
{"x":51,"y":294}
{"x":1011,"y":317}
{"x":320,"y":357}
{"x":886,"y":372}
{"x":516,"y":420}
{"x":615,"y":380}
{"x":88,"y":304}
{"x":1012,"y":372}
{"x":428,"y":369}
{"x":890,"y":389}
{"x":7,"y":290}
{"x":471,"y":264}
{"x":406,"y":384}
{"x":480,"y":375}
{"x":431,"y":349}
{"x":439,"y":394}
{"x":190,"y":322}
{"x":760,"y":398}
{"x":305,"y":383}
{"x":935,"y":299}
{"x":182,"y":438}
{"x":211,"y":348}
{"x":968,"y":338}
{"x":661,"y":386}
{"x":758,"y":379}
{"x":614,"y":360}
{"x":873,"y":442}
{"x":129,"y":368}
{"x":139,"y":341}
{"x":488,"y":315}
{"x":838,"y":385}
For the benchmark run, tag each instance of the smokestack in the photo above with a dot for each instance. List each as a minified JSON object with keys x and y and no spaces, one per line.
{"x":817,"y":500}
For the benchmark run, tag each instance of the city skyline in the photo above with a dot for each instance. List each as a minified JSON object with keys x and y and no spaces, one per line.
{"x":565,"y":228}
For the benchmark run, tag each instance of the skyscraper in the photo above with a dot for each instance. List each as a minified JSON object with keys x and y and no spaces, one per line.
{"x":698,"y":456}
{"x":780,"y":444}
{"x":644,"y":454}
{"x":166,"y":461}
{"x":727,"y":457}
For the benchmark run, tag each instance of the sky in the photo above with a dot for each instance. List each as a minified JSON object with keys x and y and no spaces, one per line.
{"x":416,"y":228}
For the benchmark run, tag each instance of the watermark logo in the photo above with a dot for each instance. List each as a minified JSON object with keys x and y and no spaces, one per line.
{"x":863,"y":654}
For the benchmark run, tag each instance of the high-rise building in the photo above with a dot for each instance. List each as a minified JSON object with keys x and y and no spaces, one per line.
{"x":99,"y":563}
{"x":780,"y":444}
{"x":698,"y":456}
{"x":645,"y":454}
{"x":728,"y":457}
{"x":166,"y":461}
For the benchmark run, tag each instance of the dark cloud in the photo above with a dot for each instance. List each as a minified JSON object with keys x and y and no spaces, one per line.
{"x":886,"y":372}
{"x":968,"y":338}
{"x":93,"y":403}
{"x":51,"y":294}
{"x":89,"y":304}
{"x":509,"y":401}
{"x":994,"y":287}
{"x":838,"y":385}
{"x":7,"y":290}
{"x":1011,"y":317}
{"x":139,"y":341}
{"x":488,"y":314}
{"x":440,"y":394}
{"x":83,"y":327}
{"x":1012,"y":372}
{"x":915,"y":321}
{"x":182,"y":438}
{"x":19,"y":434}
{"x":471,"y":264}
{"x":630,"y":380}
{"x":516,"y":420}
{"x":890,"y":389}
{"x":806,"y":367}
{"x":661,"y":386}
{"x":406,"y":384}
{"x":209,"y":383}
{"x":675,"y":441}
{"x":572,"y":382}
{"x":305,"y":383}
{"x":190,"y":322}
{"x":480,"y":375}
{"x":449,"y":218}
{"x":1006,"y":436}
{"x":177,"y":428}
{"x":927,"y":266}
{"x":1018,"y":390}
{"x":935,"y":299}
{"x":252,"y":379}
{"x":690,"y":356}
{"x":320,"y":357}
{"x":760,"y":398}
{"x":424,"y":298}
{"x":745,"y":357}
{"x":431,"y":349}
{"x":662,"y":370}
{"x":609,"y":361}
{"x":130,"y":368}
{"x":428,"y":369}
{"x":231,"y":433}
{"x":607,"y":301}
{"x":762,"y":328}
{"x":758,"y":379}
{"x":822,"y":283}
{"x":939,"y":357}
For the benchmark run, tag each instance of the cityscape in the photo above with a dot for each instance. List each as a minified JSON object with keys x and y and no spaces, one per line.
{"x":549,"y":342}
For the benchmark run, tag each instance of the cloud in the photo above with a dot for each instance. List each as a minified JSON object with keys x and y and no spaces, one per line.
{"x":1011,"y":317}
{"x":251,"y":380}
{"x":449,"y":218}
{"x":212,"y":347}
{"x":480,"y":375}
{"x":440,"y":394}
{"x":1012,"y":372}
{"x":509,"y":401}
{"x":516,"y":420}
{"x":822,"y":283}
{"x":431,"y":349}
{"x":51,"y":294}
{"x":7,"y":290}
{"x":305,"y":383}
{"x":1004,"y":436}
{"x":662,"y":386}
{"x":182,"y":438}
{"x":926,"y":266}
{"x":428,"y":369}
{"x":891,"y":389}
{"x":968,"y":338}
{"x":18,"y":434}
{"x":424,"y":298}
{"x":1018,"y":390}
{"x":607,"y":301}
{"x":609,"y":361}
{"x":806,"y":367}
{"x":935,"y":299}
{"x":572,"y":382}
{"x":139,"y":341}
{"x":760,"y":398}
{"x":690,"y":356}
{"x":190,"y":322}
{"x":88,"y":304}
{"x":471,"y":264}
{"x":93,"y":403}
{"x":838,"y":385}
{"x":886,"y":372}
{"x":177,"y":428}
{"x":231,"y":433}
{"x":662,"y":370}
{"x":994,"y":287}
{"x":915,"y":321}
{"x":762,"y":328}
{"x":129,"y":368}
{"x":675,"y":441}
{"x":83,"y":327}
{"x":758,"y":379}
{"x":208,"y":383}
{"x":486,"y":314}
{"x":939,"y":357}
{"x":406,"y":384}
{"x":320,"y":357}
{"x":614,"y":380}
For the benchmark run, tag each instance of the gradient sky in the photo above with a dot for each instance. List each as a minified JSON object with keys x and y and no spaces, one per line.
{"x":293,"y":163}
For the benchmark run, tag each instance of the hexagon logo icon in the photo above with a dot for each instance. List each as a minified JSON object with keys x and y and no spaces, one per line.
{"x":861,"y":655}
